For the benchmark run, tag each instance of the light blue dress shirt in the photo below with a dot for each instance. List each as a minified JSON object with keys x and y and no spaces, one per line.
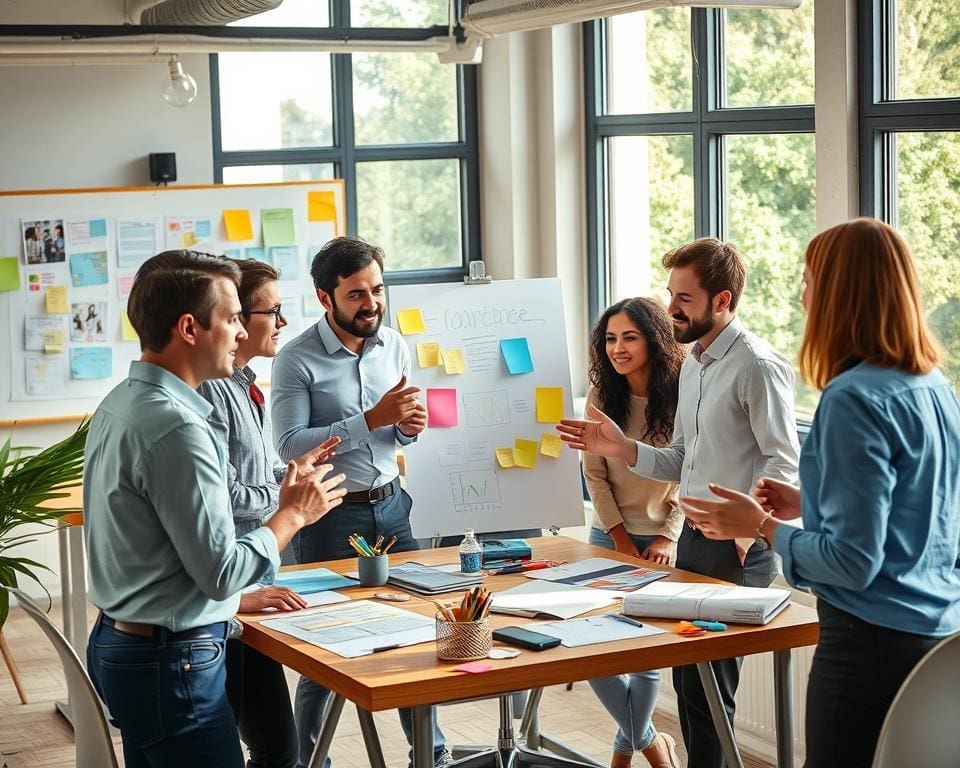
{"x":159,"y":530}
{"x":320,"y":389}
{"x":880,"y":493}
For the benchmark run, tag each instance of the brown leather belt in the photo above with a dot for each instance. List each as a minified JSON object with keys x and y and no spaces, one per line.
{"x":379,"y":493}
{"x":133,"y":628}
{"x":218,"y":630}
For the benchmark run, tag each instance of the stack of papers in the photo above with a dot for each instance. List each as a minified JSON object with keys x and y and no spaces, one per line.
{"x":312,"y":580}
{"x":709,"y":602}
{"x":600,"y":573}
{"x":431,"y":580}
{"x":562,"y":601}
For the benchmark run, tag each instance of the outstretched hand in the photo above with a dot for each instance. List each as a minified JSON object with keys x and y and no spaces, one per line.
{"x":602,"y":437}
{"x":316,"y":456}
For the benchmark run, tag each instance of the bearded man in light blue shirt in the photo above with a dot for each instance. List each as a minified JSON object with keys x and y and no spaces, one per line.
{"x":166,"y":568}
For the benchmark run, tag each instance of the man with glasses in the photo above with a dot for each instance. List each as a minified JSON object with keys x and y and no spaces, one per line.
{"x":346,"y":377}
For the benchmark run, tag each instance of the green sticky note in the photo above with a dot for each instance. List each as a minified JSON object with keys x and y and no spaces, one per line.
{"x":277,"y":225}
{"x":9,"y":274}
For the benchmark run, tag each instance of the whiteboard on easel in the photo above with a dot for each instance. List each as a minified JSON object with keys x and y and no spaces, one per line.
{"x":491,"y":362}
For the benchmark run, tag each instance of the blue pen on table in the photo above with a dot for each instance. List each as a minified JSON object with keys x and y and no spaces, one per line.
{"x":710,"y":626}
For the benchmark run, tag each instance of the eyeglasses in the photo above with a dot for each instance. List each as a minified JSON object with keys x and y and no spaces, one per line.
{"x":275,"y":311}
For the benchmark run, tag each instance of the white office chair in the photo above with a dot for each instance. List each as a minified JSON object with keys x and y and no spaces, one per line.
{"x":921,"y":727}
{"x":90,"y":729}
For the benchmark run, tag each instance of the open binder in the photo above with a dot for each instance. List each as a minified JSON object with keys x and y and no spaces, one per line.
{"x":710,"y":602}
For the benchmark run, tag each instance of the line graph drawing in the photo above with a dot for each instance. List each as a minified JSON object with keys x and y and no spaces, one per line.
{"x":486,"y":409}
{"x":475,"y":491}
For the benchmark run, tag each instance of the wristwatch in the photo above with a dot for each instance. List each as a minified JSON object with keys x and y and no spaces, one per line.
{"x":761,"y":539}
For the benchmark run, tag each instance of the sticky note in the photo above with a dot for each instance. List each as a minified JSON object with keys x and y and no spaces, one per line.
{"x":238,"y":224}
{"x":9,"y":274}
{"x":428,"y":354}
{"x":286,"y":260}
{"x":98,"y":227}
{"x":452,"y":361}
{"x":53,"y":337}
{"x":525,"y":453}
{"x":321,"y":206}
{"x":441,"y":407}
{"x":549,"y":404}
{"x":52,"y":349}
{"x":516,"y":354}
{"x":505,"y":457}
{"x":550,"y":445}
{"x":258,"y":253}
{"x":277,"y":226}
{"x":410,"y":321}
{"x":474,"y":667}
{"x":188,"y":239}
{"x":57,"y":300}
{"x":127,"y":331}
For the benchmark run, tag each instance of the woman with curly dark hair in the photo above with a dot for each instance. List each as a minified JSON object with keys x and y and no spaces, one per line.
{"x":634,"y":372}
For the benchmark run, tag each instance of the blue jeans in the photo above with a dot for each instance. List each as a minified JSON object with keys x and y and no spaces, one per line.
{"x":326,"y":539}
{"x":630,"y":699}
{"x":167,"y":695}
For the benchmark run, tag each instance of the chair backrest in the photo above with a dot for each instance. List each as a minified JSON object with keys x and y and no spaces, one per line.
{"x":922,"y":727}
{"x":90,"y":729}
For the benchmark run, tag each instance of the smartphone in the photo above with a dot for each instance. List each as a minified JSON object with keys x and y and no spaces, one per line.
{"x":526,"y":638}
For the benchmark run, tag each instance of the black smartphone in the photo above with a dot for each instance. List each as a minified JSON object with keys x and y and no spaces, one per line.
{"x":526,"y":638}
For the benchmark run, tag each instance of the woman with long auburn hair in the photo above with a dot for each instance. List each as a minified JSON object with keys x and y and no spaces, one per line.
{"x":879,"y":488}
{"x":634,"y":376}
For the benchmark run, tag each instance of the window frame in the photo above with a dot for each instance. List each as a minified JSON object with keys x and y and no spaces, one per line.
{"x":344,"y":154}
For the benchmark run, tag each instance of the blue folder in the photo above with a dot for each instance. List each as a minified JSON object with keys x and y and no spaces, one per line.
{"x":311,"y":580}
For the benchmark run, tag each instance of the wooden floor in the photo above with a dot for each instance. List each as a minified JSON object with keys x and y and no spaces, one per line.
{"x":34,"y":734}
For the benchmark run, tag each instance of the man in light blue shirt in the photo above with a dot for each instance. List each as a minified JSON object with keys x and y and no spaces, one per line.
{"x":166,"y":568}
{"x":346,"y":377}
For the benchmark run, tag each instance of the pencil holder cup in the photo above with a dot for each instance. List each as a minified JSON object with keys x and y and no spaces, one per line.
{"x":463,"y":640}
{"x":373,"y":571}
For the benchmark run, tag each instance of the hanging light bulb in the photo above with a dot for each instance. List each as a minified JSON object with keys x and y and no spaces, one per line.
{"x":179,"y":89}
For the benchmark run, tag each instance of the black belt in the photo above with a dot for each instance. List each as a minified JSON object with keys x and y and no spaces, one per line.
{"x":379,"y":493}
{"x":208,"y":631}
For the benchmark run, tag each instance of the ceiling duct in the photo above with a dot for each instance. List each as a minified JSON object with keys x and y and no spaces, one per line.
{"x":203,"y":13}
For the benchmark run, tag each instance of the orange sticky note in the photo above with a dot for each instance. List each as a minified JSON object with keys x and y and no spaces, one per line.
{"x":238,"y":224}
{"x":321,"y":206}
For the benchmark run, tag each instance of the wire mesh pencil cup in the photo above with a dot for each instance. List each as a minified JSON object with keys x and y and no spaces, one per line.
{"x":463,"y":640}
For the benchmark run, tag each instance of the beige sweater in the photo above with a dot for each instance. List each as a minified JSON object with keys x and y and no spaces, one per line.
{"x":645,"y":507}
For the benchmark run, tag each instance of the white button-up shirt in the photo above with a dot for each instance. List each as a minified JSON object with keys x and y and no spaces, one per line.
{"x":735,"y":421}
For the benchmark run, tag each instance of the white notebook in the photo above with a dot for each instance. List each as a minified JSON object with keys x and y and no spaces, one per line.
{"x":711,"y":602}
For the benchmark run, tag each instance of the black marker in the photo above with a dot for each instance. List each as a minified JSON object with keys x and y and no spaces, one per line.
{"x":385,"y":648}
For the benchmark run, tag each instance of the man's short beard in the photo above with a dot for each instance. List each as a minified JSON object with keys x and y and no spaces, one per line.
{"x":697,"y":328}
{"x":351,"y":326}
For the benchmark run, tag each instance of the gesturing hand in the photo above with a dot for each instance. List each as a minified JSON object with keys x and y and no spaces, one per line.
{"x":281,"y":598}
{"x":602,"y":437}
{"x":734,"y":515}
{"x":396,"y":405}
{"x":310,"y":495}
{"x":415,"y":423}
{"x":316,"y":456}
{"x":783,"y":499}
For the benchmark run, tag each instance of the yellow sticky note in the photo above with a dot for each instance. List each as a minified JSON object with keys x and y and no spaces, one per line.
{"x":525,"y":453}
{"x":549,"y":404}
{"x":127,"y":331}
{"x":53,"y":337}
{"x":238,"y":224}
{"x":410,"y":321}
{"x":57,"y":300}
{"x":505,"y":457}
{"x":550,"y":445}
{"x":428,"y":354}
{"x":52,"y":349}
{"x":188,"y":238}
{"x":452,"y":361}
{"x":321,"y":206}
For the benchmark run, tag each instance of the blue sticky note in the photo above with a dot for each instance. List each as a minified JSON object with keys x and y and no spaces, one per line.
{"x":88,"y":268}
{"x":232,"y":253}
{"x":311,"y":580}
{"x":286,"y":260}
{"x":516,"y":354}
{"x":98,"y":227}
{"x":201,"y":228}
{"x":260,"y":254}
{"x":91,"y":362}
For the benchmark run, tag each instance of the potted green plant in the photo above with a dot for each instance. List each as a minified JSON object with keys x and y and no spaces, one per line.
{"x":29,"y":480}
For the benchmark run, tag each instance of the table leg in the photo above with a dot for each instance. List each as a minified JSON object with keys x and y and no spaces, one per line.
{"x":783,"y":688}
{"x":422,"y":737}
{"x":720,"y":720}
{"x":530,"y":724}
{"x":78,"y":600}
{"x":371,"y":738}
{"x":330,"y":720}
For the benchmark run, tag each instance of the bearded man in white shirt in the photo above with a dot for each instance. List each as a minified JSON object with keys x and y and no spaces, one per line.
{"x":735,"y":423}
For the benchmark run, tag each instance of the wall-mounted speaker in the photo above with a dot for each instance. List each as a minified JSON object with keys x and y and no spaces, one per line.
{"x":163,"y":167}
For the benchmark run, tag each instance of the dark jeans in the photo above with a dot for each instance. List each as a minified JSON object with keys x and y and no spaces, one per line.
{"x":167,"y":696}
{"x":326,"y":539}
{"x":718,"y":559}
{"x":258,"y":695}
{"x":856,"y":672}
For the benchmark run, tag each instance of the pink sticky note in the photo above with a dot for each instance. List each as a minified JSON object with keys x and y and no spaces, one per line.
{"x":441,"y":407}
{"x":476,"y":667}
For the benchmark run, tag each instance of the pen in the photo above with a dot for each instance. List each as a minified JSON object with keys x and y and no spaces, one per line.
{"x":382,"y":648}
{"x":710,"y":626}
{"x":625,"y":619}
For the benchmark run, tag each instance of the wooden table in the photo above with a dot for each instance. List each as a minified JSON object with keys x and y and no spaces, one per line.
{"x":413,"y":677}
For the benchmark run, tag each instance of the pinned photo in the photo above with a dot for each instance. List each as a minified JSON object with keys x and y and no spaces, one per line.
{"x":43,"y":241}
{"x":88,"y":321}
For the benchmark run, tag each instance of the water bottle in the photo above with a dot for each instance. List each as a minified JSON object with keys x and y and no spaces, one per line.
{"x":470,"y":551}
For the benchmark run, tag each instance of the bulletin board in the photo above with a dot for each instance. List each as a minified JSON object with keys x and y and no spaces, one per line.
{"x":491,"y":362}
{"x":68,"y":258}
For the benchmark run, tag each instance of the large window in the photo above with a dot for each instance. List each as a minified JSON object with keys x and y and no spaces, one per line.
{"x":400,"y":128}
{"x":910,"y":144}
{"x":701,"y":123}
